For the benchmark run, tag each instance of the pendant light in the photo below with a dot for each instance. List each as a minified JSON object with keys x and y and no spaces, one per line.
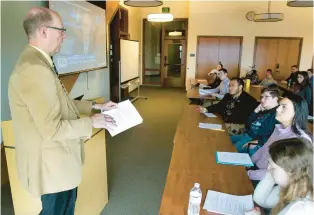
{"x":143,"y":3}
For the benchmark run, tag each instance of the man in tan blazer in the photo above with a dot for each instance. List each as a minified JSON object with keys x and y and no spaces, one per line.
{"x":48,"y":130}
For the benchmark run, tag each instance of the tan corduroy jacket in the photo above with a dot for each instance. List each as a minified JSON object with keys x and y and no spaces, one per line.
{"x":48,"y":131}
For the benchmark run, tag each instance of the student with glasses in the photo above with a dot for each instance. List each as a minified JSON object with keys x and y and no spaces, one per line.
{"x":260,"y":124}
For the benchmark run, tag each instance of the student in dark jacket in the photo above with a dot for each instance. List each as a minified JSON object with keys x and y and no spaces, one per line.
{"x":261,"y":122}
{"x":236,"y":106}
{"x":293,"y":78}
{"x":304,"y":89}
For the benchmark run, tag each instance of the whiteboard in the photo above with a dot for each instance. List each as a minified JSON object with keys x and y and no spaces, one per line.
{"x":129,"y":60}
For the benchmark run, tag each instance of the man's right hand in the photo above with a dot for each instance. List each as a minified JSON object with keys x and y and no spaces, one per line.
{"x":283,"y":82}
{"x":258,"y":109}
{"x":103,"y":121}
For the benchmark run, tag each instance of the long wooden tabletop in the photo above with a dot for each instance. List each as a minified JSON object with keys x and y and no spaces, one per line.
{"x":193,"y":160}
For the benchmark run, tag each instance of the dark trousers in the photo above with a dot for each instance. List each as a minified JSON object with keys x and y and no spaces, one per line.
{"x":62,"y":203}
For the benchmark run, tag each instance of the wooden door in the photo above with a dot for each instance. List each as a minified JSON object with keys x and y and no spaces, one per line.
{"x":278,"y":54}
{"x":212,"y":50}
{"x":207,"y":56}
{"x":174,"y":63}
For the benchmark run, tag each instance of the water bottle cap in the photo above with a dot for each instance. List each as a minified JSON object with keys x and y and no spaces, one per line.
{"x":197,"y":185}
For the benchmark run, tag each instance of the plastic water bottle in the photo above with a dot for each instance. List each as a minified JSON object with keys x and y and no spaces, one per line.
{"x":195,"y":200}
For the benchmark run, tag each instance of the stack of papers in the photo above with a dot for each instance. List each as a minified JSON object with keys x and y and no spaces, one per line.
{"x":210,"y":115}
{"x":205,"y":92}
{"x":126,"y":116}
{"x":210,"y":126}
{"x":234,"y":158}
{"x":227,"y":204}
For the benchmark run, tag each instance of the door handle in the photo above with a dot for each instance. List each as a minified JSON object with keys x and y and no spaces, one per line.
{"x":165,"y":61}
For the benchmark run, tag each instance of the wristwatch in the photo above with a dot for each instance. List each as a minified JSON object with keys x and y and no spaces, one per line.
{"x":93,"y":105}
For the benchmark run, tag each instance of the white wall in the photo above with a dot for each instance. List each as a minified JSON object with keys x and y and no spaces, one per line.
{"x":228,"y":19}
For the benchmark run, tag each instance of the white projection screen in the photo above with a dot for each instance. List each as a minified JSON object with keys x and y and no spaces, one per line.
{"x":130,"y":60}
{"x":84,"y":47}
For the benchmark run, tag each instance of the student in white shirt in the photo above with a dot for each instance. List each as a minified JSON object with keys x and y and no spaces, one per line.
{"x":287,"y":187}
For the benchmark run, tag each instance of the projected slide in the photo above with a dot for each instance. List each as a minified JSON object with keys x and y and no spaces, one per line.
{"x":85,"y":44}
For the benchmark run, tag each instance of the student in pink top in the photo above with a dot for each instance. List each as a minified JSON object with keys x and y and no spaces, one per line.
{"x":292,"y":114}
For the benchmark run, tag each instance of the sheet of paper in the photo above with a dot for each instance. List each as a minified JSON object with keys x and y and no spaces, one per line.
{"x":210,"y":126}
{"x":210,"y":115}
{"x":310,"y":117}
{"x":203,"y":85}
{"x":227,"y":204}
{"x":234,"y":158}
{"x":126,"y":116}
{"x":206,"y":92}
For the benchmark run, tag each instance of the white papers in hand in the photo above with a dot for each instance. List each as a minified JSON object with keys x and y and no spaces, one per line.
{"x":234,"y":158}
{"x":210,"y":115}
{"x":223,"y":203}
{"x":125,"y":115}
{"x":210,"y":126}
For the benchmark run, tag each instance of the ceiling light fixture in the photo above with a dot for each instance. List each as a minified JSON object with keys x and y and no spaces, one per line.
{"x":300,"y":3}
{"x":165,"y":16}
{"x":143,"y":3}
{"x":268,"y":17}
{"x":175,"y":33}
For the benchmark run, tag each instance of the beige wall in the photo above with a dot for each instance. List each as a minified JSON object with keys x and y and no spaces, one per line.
{"x":228,"y":18}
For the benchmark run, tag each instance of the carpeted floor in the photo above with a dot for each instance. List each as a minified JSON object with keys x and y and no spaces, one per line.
{"x":138,"y":159}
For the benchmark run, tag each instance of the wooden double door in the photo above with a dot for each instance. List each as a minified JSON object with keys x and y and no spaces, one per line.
{"x":211,"y":50}
{"x":278,"y":54}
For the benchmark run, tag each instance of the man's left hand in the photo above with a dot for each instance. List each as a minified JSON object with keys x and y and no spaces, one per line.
{"x":106,"y":106}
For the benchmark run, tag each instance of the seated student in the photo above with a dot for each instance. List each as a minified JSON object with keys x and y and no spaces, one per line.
{"x":235,"y":107}
{"x":253,"y":76}
{"x":223,"y":87}
{"x":261,"y":122}
{"x":293,"y":76}
{"x":292,"y":114}
{"x":269,"y":79}
{"x":303,"y":87}
{"x":287,"y":187}
{"x":213,"y":80}
{"x":310,"y":72}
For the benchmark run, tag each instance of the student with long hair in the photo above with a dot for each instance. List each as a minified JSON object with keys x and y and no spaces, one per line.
{"x":292,"y":114}
{"x":303,"y":87}
{"x":287,"y":187}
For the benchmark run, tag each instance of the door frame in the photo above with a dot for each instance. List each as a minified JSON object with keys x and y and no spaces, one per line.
{"x":184,"y":59}
{"x":286,"y":38}
{"x":219,"y":36}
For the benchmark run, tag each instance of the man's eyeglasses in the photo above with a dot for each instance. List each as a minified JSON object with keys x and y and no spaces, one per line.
{"x":55,"y":28}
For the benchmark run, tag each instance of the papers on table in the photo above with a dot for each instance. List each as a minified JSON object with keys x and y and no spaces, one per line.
{"x":126,"y":116}
{"x":210,"y":126}
{"x":205,"y":92}
{"x":234,"y":158}
{"x":210,"y":115}
{"x":223,"y":203}
{"x":203,"y":85}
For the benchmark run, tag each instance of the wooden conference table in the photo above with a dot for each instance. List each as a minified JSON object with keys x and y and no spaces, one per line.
{"x":193,"y":160}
